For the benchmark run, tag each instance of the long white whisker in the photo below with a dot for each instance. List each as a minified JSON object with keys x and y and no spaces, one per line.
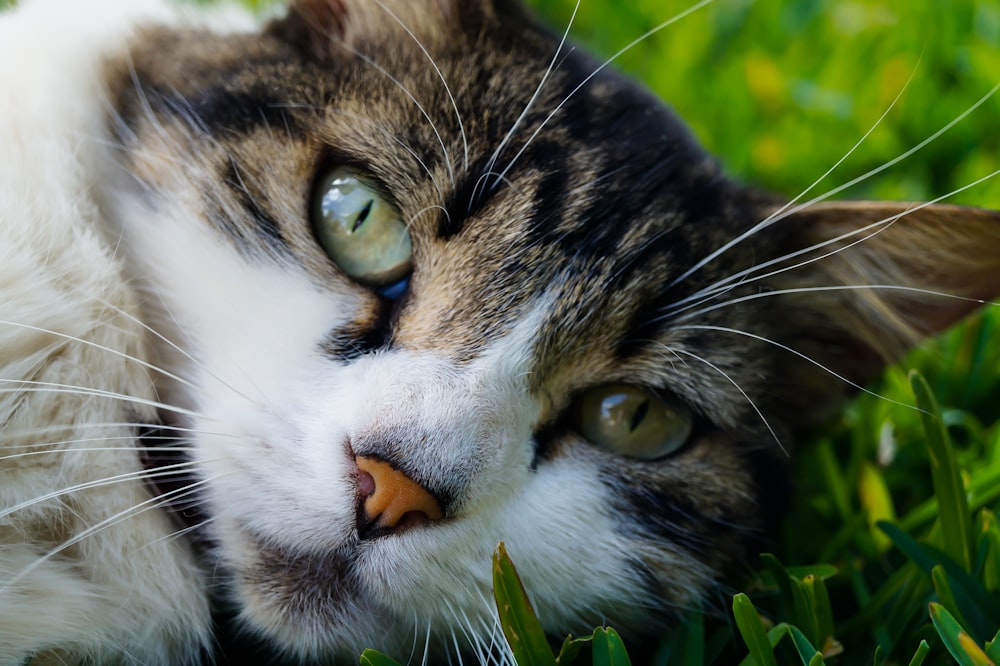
{"x":774,"y":217}
{"x":92,"y":449}
{"x":128,"y":316}
{"x":69,"y":389}
{"x":842,"y":287}
{"x":800,"y":355}
{"x":165,"y":470}
{"x":95,"y":345}
{"x":181,"y":532}
{"x":732,"y":381}
{"x":878,"y":226}
{"x":51,"y":387}
{"x":427,"y":644}
{"x":16,"y":434}
{"x":646,"y":35}
{"x":527,"y":107}
{"x":454,"y":106}
{"x":146,"y":505}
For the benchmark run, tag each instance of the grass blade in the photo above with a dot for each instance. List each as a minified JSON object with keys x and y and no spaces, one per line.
{"x":608,"y":648}
{"x":373,"y":658}
{"x":959,"y":644}
{"x":920,"y":654}
{"x":517,"y":618}
{"x":953,"y":505}
{"x":942,"y":587}
{"x":752,"y":630}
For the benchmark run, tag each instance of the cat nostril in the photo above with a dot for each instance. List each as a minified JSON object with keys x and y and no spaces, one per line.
{"x":392,"y":500}
{"x":366,"y":484}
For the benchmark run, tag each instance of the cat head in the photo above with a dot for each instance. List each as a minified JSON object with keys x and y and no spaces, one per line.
{"x":430,"y":279}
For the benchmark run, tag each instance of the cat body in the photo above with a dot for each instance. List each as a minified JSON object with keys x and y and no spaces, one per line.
{"x":348,"y":450}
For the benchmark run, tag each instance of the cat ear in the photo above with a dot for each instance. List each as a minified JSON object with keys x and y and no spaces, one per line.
{"x":320,"y":23}
{"x":890,"y":275}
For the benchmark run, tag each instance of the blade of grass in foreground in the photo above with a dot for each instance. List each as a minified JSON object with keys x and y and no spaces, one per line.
{"x":520,"y":624}
{"x":953,"y":506}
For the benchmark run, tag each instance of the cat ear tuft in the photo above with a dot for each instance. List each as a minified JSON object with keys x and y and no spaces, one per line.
{"x":890,"y":275}
{"x":316,"y":26}
{"x":311,"y":25}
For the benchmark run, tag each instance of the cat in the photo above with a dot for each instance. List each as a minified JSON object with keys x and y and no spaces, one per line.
{"x":299,"y":321}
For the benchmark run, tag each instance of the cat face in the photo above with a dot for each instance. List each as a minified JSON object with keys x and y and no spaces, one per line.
{"x":425,"y":293}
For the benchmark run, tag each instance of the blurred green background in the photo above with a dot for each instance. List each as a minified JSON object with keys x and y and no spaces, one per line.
{"x":781,"y":89}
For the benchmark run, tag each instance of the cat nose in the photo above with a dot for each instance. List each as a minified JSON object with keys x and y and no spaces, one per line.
{"x":391,"y":499}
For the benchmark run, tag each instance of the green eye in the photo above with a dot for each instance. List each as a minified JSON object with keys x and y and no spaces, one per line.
{"x":360,"y":231}
{"x":632,"y":422}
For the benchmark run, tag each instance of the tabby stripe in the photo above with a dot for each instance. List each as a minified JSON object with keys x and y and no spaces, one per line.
{"x":265,"y":226}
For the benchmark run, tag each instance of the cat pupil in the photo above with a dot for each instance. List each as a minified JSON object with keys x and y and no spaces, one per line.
{"x":364,"y":215}
{"x":638,"y":416}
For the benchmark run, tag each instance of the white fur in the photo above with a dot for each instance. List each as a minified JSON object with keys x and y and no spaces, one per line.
{"x":128,"y":592}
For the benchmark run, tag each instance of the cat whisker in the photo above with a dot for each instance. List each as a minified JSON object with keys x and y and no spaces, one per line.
{"x":152,"y":503}
{"x":746,"y":276}
{"x":776,"y":217}
{"x":427,"y":644}
{"x":95,"y":345}
{"x":491,"y":164}
{"x":89,"y":449}
{"x":843,"y":287}
{"x":481,"y":180}
{"x":437,"y":70}
{"x":812,"y":360}
{"x":164,"y":471}
{"x":35,"y":432}
{"x":458,"y":651}
{"x":181,"y":533}
{"x":464,"y":626}
{"x":406,"y":91}
{"x":768,"y":220}
{"x":180,"y":350}
{"x":739,"y":388}
{"x":638,"y":40}
{"x":27,"y":386}
{"x":423,"y":210}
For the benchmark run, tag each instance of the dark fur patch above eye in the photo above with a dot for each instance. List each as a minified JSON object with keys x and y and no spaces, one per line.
{"x":225,"y":111}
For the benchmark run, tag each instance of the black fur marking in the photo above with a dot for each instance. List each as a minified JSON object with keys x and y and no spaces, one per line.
{"x":241,"y":112}
{"x":550,"y":205}
{"x":663,"y":515}
{"x":349,"y":344}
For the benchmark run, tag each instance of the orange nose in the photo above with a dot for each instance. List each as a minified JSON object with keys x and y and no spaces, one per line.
{"x":394,"y":495}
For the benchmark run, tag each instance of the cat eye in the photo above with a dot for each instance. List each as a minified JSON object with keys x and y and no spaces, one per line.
{"x":632,"y":422}
{"x":362,"y":232}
